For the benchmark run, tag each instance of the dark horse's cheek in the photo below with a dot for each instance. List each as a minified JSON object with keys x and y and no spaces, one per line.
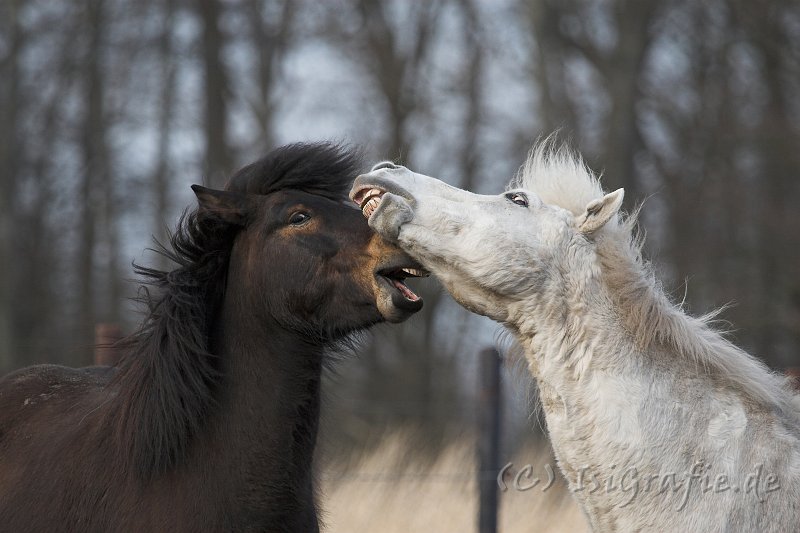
{"x":328,"y":300}
{"x":346,"y":303}
{"x":317,"y":248}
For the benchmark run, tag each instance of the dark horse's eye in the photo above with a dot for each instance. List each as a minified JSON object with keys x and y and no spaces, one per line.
{"x":299,"y":218}
{"x":518,"y":198}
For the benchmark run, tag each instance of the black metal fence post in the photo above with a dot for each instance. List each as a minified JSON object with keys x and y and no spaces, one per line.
{"x":488,"y":439}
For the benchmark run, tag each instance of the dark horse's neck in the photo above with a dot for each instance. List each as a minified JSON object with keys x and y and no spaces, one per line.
{"x":269,"y":403}
{"x":229,"y":414}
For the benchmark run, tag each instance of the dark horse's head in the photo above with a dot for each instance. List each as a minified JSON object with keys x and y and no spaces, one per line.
{"x":310,"y":259}
{"x":286,"y":229}
{"x":280,"y":253}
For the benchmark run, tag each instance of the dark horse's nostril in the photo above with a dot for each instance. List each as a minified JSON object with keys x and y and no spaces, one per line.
{"x":386,"y":164}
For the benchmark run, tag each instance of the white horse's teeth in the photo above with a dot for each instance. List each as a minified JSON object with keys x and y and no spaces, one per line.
{"x":371,"y":205}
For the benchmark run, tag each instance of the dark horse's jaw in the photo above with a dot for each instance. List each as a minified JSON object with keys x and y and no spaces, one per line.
{"x":396,"y":300}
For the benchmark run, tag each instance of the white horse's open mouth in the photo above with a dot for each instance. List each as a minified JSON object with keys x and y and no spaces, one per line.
{"x":385,"y":200}
{"x":368,"y":199}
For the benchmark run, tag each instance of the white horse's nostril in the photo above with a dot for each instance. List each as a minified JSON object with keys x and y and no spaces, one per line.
{"x":386,"y":164}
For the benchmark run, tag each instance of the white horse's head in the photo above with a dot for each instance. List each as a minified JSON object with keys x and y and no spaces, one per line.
{"x":488,"y":250}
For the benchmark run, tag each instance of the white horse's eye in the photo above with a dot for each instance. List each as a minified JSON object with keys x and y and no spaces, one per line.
{"x":518,"y":198}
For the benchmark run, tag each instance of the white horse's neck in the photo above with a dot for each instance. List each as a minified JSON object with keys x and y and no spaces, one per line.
{"x":572,"y":327}
{"x":629,"y":383}
{"x":609,"y":313}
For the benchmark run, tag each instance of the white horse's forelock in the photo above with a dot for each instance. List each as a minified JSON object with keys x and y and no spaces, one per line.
{"x":561,"y":178}
{"x":558,"y":176}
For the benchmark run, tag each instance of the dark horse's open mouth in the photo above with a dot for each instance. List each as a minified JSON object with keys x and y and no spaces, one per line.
{"x":393,"y":276}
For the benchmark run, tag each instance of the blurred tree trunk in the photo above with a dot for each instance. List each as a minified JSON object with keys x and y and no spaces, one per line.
{"x":704,"y":141}
{"x":397,"y":68}
{"x":271,"y":37}
{"x":777,"y":139}
{"x":162,"y":172}
{"x":554,"y":111}
{"x":218,"y":160}
{"x":620,"y":68}
{"x":35,"y":303}
{"x":95,"y":173}
{"x":622,"y":71}
{"x":10,"y":105}
{"x":112,"y":296}
{"x":472,"y":84}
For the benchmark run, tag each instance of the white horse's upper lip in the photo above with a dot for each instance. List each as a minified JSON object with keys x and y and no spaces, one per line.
{"x":363,"y":195}
{"x":367,"y":187}
{"x":369,"y":194}
{"x":369,"y":200}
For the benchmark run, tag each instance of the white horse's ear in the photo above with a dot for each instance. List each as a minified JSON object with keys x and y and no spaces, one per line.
{"x":599,"y":212}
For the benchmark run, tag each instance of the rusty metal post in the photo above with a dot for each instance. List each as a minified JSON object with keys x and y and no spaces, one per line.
{"x":106,"y":352}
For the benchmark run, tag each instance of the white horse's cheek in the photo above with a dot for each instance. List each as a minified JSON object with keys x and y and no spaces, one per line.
{"x":418,"y":242}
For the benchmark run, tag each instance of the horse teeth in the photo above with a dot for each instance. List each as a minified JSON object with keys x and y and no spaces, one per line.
{"x":371,"y":205}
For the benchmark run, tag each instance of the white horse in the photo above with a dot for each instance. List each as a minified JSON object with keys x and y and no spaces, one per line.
{"x":657,"y":421}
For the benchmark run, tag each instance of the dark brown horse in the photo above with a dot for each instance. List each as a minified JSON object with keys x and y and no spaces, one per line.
{"x":210,"y":422}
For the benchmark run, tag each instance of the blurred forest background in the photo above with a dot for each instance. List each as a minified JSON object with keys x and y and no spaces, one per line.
{"x":110,"y":109}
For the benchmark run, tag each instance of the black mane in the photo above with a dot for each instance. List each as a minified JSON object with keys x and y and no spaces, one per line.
{"x":169,"y":375}
{"x":324,"y":169}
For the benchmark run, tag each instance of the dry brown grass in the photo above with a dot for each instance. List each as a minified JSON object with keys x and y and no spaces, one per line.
{"x":391,"y":491}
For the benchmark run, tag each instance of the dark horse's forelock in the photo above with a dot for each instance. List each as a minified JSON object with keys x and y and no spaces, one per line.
{"x":169,"y":375}
{"x":324,"y":169}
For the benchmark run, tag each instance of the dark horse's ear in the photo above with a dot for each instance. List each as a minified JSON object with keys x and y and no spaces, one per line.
{"x":230,"y":207}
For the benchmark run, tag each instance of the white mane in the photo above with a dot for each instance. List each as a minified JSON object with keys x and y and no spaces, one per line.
{"x":560,"y":177}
